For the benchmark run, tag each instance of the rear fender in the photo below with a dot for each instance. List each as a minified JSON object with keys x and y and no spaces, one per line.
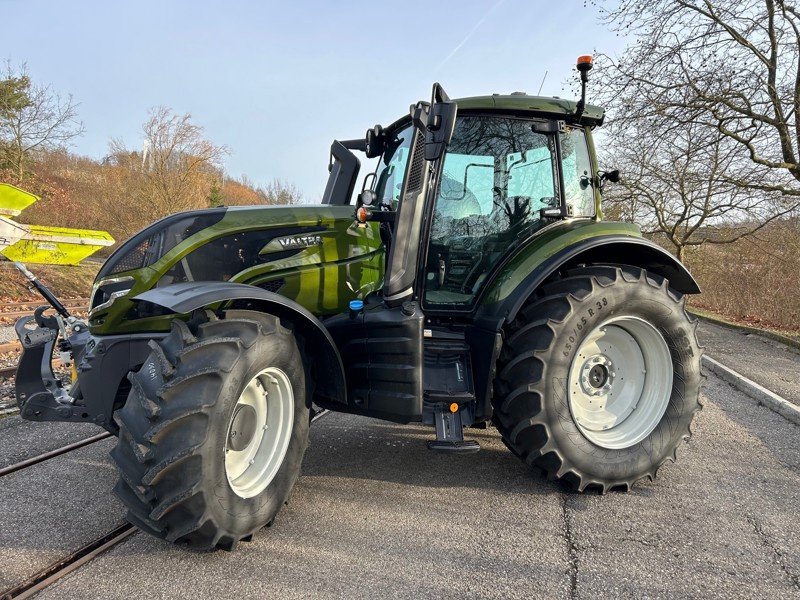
{"x":319,"y":346}
{"x":612,"y":249}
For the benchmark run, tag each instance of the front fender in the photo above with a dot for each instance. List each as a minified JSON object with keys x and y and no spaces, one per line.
{"x":325,"y":362}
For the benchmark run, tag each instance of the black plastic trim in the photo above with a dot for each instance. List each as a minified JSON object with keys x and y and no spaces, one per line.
{"x":383,"y":356}
{"x":401,"y":270}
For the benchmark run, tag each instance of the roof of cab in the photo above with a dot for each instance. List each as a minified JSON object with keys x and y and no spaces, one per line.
{"x":546,"y":106}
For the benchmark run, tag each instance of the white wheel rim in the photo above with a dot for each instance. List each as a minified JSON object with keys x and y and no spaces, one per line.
{"x":263,"y":419}
{"x":620,"y":382}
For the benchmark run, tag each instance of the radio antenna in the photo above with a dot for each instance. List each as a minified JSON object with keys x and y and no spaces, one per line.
{"x":542,"y":84}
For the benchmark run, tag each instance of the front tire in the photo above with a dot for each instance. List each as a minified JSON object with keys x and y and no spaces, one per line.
{"x":599,"y":378}
{"x":214,"y":430}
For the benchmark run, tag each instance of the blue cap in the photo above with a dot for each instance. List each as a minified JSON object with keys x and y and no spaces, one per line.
{"x":356,"y":305}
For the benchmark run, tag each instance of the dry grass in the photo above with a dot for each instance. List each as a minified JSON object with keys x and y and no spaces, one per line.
{"x":66,"y":282}
{"x":755,"y":281}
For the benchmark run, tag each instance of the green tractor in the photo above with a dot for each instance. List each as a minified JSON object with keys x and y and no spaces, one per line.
{"x":470,"y":282}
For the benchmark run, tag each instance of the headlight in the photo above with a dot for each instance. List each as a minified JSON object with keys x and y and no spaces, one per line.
{"x":106,"y":292}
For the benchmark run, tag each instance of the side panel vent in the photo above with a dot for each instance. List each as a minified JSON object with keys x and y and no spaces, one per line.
{"x":273,"y":286}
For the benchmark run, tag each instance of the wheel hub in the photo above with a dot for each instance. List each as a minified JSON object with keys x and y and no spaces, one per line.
{"x":597,"y":375}
{"x":259,"y":432}
{"x":243,"y":427}
{"x":620,"y":382}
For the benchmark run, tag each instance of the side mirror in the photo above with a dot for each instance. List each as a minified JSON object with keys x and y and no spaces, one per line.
{"x":612,"y":176}
{"x":375,"y":142}
{"x":343,"y":168}
{"x":441,"y":123}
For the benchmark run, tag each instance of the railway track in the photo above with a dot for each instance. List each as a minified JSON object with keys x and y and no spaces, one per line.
{"x":31,"y":304}
{"x":35,"y":460}
{"x":63,"y":567}
{"x":15,"y":310}
{"x":86,"y":553}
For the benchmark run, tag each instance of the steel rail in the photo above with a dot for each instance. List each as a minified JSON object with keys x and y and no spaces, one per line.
{"x":40,"y":302}
{"x":35,"y":460}
{"x":62,"y":567}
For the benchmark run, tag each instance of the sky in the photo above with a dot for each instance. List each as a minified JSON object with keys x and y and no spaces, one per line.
{"x":276,"y":82}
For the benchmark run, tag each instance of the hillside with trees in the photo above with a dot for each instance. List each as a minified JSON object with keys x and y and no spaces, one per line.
{"x":175,"y":168}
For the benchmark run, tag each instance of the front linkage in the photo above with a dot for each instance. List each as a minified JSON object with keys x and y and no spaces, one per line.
{"x":94,"y":362}
{"x":40,"y":393}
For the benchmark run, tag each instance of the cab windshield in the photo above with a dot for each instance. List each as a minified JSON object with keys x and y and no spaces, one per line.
{"x":498,"y":175}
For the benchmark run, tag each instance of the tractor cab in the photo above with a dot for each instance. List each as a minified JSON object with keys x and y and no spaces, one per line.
{"x":460,"y":187}
{"x":469,"y":184}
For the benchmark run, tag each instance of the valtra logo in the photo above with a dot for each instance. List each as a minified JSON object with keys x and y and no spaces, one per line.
{"x":300,"y":241}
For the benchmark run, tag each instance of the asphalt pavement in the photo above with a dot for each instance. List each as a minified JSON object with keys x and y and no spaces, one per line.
{"x":51,"y":509}
{"x":375,"y":514}
{"x":770,"y":363}
{"x":20,"y":439}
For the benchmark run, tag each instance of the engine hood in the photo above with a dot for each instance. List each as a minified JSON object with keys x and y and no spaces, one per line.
{"x":316,"y":255}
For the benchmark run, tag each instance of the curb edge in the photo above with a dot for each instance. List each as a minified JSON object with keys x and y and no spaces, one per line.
{"x":762,"y":395}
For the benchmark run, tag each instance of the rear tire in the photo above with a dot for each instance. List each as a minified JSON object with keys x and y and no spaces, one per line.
{"x":563,"y":405}
{"x":201,"y":386}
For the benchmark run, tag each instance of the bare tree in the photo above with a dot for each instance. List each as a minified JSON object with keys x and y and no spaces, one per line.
{"x":176,"y":168}
{"x":32,"y":119}
{"x":680,"y":187}
{"x":731,"y":66}
{"x":280,"y":192}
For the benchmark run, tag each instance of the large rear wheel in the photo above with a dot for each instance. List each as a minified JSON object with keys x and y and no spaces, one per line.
{"x":599,"y":378}
{"x":213,"y":431}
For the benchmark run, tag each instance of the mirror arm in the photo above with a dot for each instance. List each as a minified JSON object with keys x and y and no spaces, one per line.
{"x":360,"y":144}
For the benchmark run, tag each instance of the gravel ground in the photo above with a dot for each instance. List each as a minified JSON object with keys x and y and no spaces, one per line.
{"x":7,"y":400}
{"x":7,"y":334}
{"x":375,"y":514}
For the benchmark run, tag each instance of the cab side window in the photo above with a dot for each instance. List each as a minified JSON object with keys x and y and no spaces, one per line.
{"x":498,"y":175}
{"x":578,"y":175}
{"x":395,"y":161}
